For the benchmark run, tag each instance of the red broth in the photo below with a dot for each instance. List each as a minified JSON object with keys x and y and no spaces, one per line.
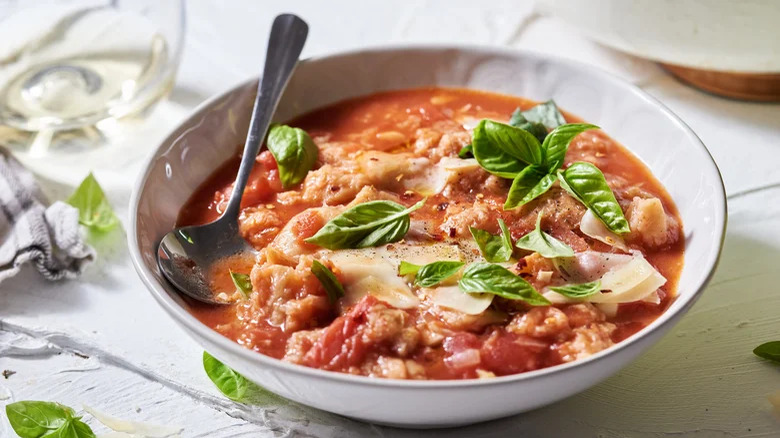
{"x":288,"y":316}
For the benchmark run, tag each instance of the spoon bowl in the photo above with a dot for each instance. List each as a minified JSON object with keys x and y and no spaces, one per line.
{"x":186,"y":254}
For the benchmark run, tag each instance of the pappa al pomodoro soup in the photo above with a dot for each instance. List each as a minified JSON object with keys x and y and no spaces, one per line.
{"x":441,"y":234}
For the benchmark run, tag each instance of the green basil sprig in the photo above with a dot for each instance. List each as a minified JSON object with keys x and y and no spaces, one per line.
{"x":545,"y":114}
{"x":466,"y":152}
{"x":328,"y":279}
{"x":34,"y":419}
{"x":557,"y":143}
{"x":227,"y":380}
{"x":529,"y":184}
{"x":434,"y":273}
{"x":95,"y":212}
{"x":585,"y":182}
{"x":546,"y":245}
{"x":484,"y":277}
{"x":406,"y":268}
{"x":539,"y":119}
{"x":578,"y":291}
{"x":536,"y":179}
{"x":242,"y":282}
{"x":504,"y":150}
{"x":769,"y":350}
{"x":294,"y":151}
{"x":495,"y":249}
{"x":372,"y":223}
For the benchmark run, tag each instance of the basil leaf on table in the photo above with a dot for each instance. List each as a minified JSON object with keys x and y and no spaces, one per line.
{"x":34,"y":419}
{"x":578,"y":290}
{"x":557,"y":142}
{"x":769,"y":350}
{"x":94,"y":210}
{"x":434,"y":273}
{"x":229,"y":382}
{"x":466,"y":152}
{"x":484,"y":277}
{"x":528,"y":185}
{"x":504,"y":150}
{"x":495,"y":249}
{"x":546,"y":245}
{"x":294,"y":151}
{"x":329,"y":282}
{"x":372,"y":223}
{"x":585,"y":182}
{"x":406,"y":268}
{"x":242,"y":282}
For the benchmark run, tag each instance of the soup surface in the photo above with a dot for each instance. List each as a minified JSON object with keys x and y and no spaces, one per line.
{"x":403,"y":147}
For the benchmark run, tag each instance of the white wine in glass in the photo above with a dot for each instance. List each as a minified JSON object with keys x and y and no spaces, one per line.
{"x":69,"y":64}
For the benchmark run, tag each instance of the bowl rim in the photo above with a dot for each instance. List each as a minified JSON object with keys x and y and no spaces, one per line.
{"x":193,"y":325}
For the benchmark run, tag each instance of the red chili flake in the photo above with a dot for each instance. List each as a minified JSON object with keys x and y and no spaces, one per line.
{"x":335,"y":188}
{"x":452,"y":232}
{"x":521,"y":264}
{"x":443,"y":206}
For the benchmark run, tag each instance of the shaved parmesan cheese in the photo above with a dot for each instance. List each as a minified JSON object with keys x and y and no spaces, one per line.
{"x":133,"y":428}
{"x":384,"y":284}
{"x":374,"y":271}
{"x":653,"y":298}
{"x":633,"y":281}
{"x":591,"y":226}
{"x":454,"y":298}
{"x":433,"y":179}
{"x":589,"y":266}
{"x":630,"y":278}
{"x":544,"y":276}
{"x":469,"y":123}
{"x":608,"y":309}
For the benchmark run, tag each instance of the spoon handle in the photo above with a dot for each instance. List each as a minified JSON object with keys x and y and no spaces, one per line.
{"x":288,"y":34}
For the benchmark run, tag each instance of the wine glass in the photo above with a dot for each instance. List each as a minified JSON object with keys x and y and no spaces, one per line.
{"x":71,"y":64}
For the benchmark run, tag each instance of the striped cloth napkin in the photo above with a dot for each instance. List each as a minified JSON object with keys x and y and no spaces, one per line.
{"x":49,"y":237}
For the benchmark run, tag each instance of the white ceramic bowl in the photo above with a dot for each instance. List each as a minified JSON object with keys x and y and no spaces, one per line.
{"x":215,"y":130}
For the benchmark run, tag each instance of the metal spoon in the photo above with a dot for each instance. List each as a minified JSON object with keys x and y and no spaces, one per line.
{"x":186,"y":254}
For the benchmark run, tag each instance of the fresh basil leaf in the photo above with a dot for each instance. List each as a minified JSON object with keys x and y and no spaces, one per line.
{"x":557,"y":142}
{"x":294,"y":151}
{"x":546,"y":245}
{"x":578,"y":290}
{"x":372,"y":223}
{"x":769,"y":350}
{"x":529,"y":184}
{"x":484,"y":277}
{"x":229,"y":382}
{"x":466,"y":152}
{"x":504,"y":150}
{"x":242,"y":282}
{"x":545,"y":113}
{"x":434,"y":273}
{"x":329,"y":282}
{"x":495,"y":249}
{"x":75,"y":428}
{"x":585,"y":182}
{"x":518,"y":120}
{"x":406,"y":268}
{"x":94,"y":210}
{"x":34,"y":419}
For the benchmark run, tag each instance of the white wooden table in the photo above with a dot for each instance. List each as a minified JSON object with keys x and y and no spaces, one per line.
{"x":103,"y":342}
